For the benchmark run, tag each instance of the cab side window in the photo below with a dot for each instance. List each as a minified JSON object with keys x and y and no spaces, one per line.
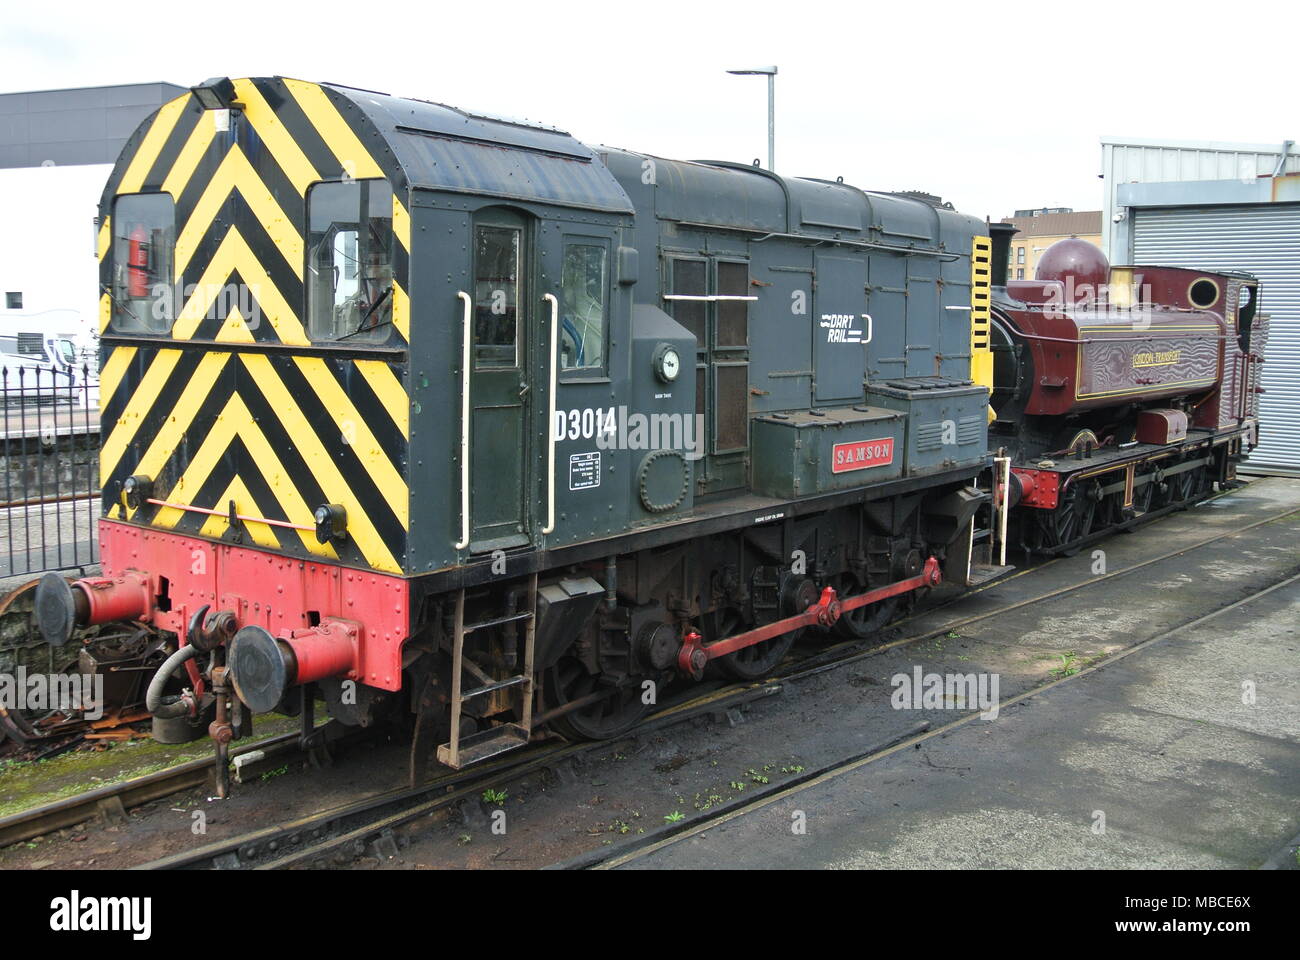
{"x":583,"y":306}
{"x":350,"y":260}
{"x":144,"y":246}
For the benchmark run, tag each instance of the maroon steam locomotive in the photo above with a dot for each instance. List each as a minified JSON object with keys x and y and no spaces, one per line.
{"x":1120,"y":392}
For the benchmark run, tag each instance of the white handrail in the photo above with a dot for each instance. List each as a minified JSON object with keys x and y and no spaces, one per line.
{"x":867,"y":317}
{"x":464,"y":419}
{"x":1004,"y":465}
{"x":550,"y":418}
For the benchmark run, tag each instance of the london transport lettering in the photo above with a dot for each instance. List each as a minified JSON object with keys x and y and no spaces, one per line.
{"x":859,"y":455}
{"x":1162,"y":358}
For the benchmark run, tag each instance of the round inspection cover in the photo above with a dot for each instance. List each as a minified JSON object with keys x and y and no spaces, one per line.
{"x":663,"y":480}
{"x":56,"y":611}
{"x":257,"y":668}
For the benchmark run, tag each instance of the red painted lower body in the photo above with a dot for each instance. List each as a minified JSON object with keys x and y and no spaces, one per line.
{"x":164,"y":578}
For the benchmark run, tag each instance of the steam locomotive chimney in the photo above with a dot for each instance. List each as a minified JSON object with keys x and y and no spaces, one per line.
{"x":1001,"y":234}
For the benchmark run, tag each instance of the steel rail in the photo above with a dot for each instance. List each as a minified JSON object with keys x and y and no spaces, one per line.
{"x":605,"y":860}
{"x":71,"y":811}
{"x":309,"y":838}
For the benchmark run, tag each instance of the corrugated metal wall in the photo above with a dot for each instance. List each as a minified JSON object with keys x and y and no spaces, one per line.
{"x":1168,"y":161}
{"x":1263,"y":239}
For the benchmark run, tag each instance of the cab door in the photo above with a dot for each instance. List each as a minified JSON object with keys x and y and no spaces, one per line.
{"x":500,"y":387}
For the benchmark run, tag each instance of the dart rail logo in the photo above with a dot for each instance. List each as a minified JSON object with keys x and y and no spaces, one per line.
{"x":75,"y":914}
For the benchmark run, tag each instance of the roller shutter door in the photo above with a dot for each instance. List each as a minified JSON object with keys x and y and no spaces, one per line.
{"x":1263,"y":239}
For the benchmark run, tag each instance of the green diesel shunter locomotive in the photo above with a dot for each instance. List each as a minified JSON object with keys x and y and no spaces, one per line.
{"x":422,"y":413}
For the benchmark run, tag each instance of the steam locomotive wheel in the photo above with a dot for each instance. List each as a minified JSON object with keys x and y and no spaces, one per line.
{"x":753,"y":662}
{"x":1142,"y":497}
{"x":1181,"y":486}
{"x":864,"y":621}
{"x":608,"y":716}
{"x":1070,"y":521}
{"x":1110,"y":512}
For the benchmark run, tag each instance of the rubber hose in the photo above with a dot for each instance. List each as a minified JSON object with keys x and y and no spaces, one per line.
{"x":153,"y":700}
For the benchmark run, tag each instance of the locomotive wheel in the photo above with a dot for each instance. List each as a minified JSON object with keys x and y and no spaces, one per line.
{"x":1143,"y":497}
{"x":612,"y":716}
{"x":749,"y":663}
{"x":1110,"y":512}
{"x":864,"y":621}
{"x":1182,"y":486}
{"x":1070,"y":521}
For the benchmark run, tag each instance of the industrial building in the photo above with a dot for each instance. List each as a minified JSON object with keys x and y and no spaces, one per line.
{"x":1039,"y":229}
{"x":57,"y":148}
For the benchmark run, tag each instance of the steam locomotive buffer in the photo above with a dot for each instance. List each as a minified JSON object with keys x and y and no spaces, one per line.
{"x":447,"y":420}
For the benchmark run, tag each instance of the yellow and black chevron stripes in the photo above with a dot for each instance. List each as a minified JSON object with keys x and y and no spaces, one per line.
{"x":155,"y":139}
{"x":234,"y":424}
{"x":266,"y":122}
{"x":105,"y":311}
{"x":105,"y":238}
{"x":402,"y":259}
{"x":277,"y":432}
{"x":234,"y":266}
{"x":262,"y":534}
{"x":342,"y":140}
{"x":389,"y":391}
{"x":252,"y":179}
{"x":296,"y":431}
{"x":236,"y":173}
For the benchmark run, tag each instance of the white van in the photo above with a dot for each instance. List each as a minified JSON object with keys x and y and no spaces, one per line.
{"x":40,"y":364}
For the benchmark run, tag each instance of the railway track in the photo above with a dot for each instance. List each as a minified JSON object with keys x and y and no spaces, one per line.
{"x":340,"y":833}
{"x":118,"y":797}
{"x":692,"y":826}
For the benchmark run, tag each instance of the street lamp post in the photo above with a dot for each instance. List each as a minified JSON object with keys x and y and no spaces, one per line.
{"x":770,"y":73}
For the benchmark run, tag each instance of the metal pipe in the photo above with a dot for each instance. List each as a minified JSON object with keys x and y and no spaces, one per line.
{"x":611,"y":583}
{"x":771,"y":120}
{"x":226,"y":513}
{"x":1281,"y":161}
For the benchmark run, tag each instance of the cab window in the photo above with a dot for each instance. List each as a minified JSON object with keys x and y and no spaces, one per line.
{"x":144,"y":244}
{"x":350,"y":260}
{"x":584,"y":283}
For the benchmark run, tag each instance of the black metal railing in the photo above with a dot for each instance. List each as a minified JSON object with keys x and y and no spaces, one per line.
{"x":49,"y":416}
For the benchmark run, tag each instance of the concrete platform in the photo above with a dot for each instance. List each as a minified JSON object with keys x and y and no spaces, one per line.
{"x":1154,"y":760}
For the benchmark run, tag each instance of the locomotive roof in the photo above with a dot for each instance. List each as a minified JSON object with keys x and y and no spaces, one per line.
{"x":444,"y":148}
{"x":424,"y":145}
{"x":743,"y":197}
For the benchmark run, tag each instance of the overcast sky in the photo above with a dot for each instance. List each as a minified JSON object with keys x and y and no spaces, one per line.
{"x":992,"y":106}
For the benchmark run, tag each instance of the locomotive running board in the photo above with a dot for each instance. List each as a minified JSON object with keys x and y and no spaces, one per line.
{"x":461,"y":751}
